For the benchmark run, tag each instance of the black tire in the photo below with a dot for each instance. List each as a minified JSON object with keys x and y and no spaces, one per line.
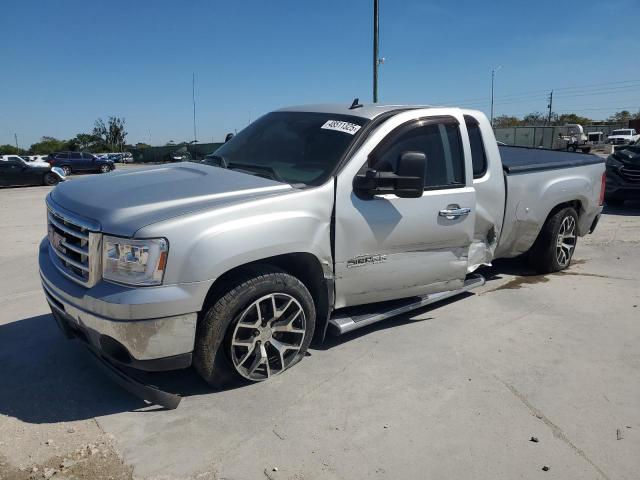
{"x":219,"y":320}
{"x":104,"y":168}
{"x":50,"y":179}
{"x":544,"y":255}
{"x":67,"y":170}
{"x":571,"y":148}
{"x":614,"y":202}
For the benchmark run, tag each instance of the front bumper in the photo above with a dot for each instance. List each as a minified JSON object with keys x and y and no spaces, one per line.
{"x":617,"y":187}
{"x":151,"y":328}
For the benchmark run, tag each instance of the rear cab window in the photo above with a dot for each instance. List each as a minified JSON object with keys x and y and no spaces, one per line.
{"x":478,"y":153}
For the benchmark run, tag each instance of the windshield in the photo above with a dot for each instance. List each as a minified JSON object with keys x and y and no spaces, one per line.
{"x":621,"y":132}
{"x":292,"y":147}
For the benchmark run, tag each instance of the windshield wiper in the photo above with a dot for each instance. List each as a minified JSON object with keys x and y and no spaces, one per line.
{"x":215,"y":161}
{"x":260,"y":170}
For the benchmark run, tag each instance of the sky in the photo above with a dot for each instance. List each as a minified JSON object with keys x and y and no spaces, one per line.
{"x":66,"y":63}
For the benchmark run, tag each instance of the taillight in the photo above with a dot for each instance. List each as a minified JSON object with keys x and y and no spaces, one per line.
{"x":602,"y":188}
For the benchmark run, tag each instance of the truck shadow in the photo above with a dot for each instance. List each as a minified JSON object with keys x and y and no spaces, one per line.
{"x":629,"y":208}
{"x":515,"y":266}
{"x":48,"y":379}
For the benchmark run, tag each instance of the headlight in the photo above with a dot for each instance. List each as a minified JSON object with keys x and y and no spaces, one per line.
{"x":134,"y":262}
{"x":58,"y":171}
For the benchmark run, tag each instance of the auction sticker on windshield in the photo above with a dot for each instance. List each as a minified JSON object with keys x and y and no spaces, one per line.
{"x":340,"y":126}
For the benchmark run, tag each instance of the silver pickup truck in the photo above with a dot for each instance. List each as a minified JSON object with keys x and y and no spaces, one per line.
{"x":312,"y":218}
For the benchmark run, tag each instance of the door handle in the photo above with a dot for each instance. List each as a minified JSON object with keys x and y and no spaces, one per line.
{"x":453,"y":213}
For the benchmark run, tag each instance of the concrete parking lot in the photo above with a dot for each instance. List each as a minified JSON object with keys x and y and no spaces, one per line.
{"x":456,"y":390}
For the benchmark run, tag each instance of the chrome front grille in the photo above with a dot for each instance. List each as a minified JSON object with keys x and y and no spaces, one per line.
{"x":630,"y":174}
{"x":74,"y":247}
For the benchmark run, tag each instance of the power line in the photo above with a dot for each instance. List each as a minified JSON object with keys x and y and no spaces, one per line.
{"x":534,"y":93}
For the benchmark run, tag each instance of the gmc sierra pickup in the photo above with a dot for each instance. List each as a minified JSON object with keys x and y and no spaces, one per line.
{"x":311,"y":218}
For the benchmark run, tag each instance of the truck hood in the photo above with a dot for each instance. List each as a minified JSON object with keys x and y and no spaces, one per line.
{"x":125,"y":201}
{"x":630,"y":154}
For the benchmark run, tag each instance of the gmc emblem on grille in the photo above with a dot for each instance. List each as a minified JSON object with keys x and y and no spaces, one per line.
{"x":56,"y":241}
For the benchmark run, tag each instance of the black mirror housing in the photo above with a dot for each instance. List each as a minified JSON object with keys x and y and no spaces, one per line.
{"x":406,"y":182}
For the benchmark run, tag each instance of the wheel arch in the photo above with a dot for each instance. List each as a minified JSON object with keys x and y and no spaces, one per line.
{"x":304,"y":266}
{"x":584,"y":220}
{"x":575,"y":204}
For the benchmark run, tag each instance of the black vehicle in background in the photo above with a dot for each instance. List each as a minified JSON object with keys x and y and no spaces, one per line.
{"x":16,"y":172}
{"x":76,"y":162}
{"x":623,"y":175}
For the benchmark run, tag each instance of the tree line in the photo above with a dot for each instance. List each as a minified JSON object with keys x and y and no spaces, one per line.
{"x":106,"y":136}
{"x":541,"y":119}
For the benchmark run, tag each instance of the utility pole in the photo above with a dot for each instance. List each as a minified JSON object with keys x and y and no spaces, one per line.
{"x":550,"y":106}
{"x":193,"y":95}
{"x":375,"y":51}
{"x":493,"y":76}
{"x":15,"y":136}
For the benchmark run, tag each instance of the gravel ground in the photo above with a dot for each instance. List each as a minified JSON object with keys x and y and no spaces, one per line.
{"x":456,"y":390}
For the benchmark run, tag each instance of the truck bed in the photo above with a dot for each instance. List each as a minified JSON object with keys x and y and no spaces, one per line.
{"x":517,"y":160}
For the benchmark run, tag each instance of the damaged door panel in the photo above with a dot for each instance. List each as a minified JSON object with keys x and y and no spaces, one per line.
{"x":407,"y":246}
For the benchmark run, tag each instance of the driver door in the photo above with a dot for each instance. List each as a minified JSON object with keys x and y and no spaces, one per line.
{"x":11,"y":172}
{"x":387,"y":247}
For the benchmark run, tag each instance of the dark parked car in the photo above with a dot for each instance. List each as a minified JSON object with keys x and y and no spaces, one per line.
{"x":80,"y":162}
{"x":16,"y":172}
{"x":623,"y":175}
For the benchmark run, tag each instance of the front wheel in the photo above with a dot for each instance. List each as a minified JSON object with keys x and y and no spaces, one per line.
{"x":105,"y":168}
{"x":259,"y":328}
{"x":67,"y":170}
{"x":553,"y":249}
{"x":50,"y":179}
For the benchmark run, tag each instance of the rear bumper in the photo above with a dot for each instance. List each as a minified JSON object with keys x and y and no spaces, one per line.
{"x":150,"y":329}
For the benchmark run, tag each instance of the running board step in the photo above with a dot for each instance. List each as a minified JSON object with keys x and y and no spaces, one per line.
{"x":353,"y":318}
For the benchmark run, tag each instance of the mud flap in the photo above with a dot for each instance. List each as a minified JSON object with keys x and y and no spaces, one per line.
{"x":149,"y":393}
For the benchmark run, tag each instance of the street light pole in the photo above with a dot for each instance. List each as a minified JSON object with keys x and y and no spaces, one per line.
{"x":493,"y":76}
{"x":375,"y":51}
{"x":193,"y":97}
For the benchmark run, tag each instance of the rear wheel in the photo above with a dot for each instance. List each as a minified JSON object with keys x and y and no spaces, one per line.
{"x":105,"y":168}
{"x":259,"y":327}
{"x":50,"y":179}
{"x":556,"y":242}
{"x":67,"y":170}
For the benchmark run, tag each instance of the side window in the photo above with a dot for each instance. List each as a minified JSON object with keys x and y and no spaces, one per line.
{"x":74,"y":155}
{"x":62,"y":156}
{"x":439,"y":141}
{"x":87,"y":156}
{"x":478,"y":155}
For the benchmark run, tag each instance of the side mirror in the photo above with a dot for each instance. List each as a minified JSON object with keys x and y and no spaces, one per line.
{"x":406,"y":182}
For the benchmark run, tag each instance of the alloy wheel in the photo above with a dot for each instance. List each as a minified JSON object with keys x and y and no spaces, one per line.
{"x":268,"y":336}
{"x":566,"y":241}
{"x":105,"y":168}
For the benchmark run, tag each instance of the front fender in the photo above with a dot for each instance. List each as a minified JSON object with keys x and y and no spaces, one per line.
{"x":205,"y":245}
